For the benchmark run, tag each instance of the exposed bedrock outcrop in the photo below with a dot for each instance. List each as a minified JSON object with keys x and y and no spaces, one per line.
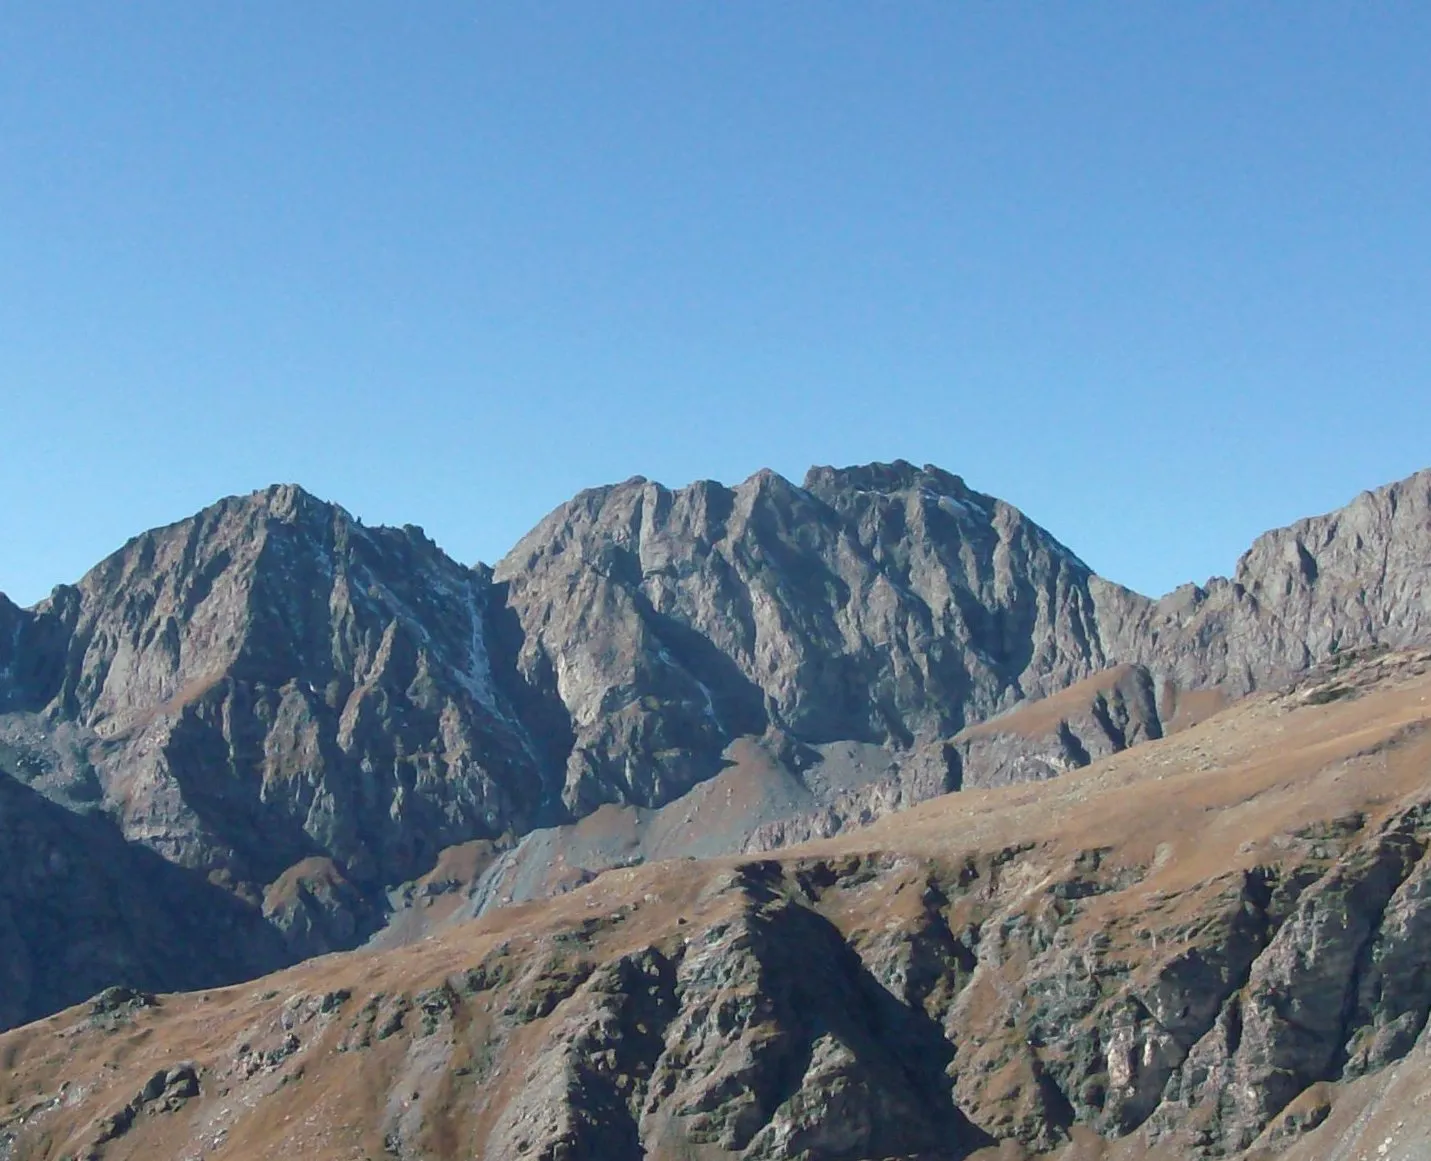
{"x":884,"y":1006}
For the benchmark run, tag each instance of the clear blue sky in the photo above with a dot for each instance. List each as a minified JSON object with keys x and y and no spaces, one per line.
{"x":1160,"y":274}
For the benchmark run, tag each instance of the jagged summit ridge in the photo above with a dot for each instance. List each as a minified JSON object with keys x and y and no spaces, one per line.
{"x":304,"y":711}
{"x":1330,"y":583}
{"x":673,"y":620}
{"x":269,"y":682}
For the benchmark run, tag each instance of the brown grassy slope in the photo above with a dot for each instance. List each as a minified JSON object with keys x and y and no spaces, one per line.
{"x":1218,"y":796}
{"x":1042,"y":715}
{"x":965,"y":975}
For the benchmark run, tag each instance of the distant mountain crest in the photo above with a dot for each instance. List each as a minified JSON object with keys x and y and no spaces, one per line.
{"x":270,"y":685}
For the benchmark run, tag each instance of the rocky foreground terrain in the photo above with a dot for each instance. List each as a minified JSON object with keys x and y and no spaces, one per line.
{"x":269,"y":732}
{"x":1213,"y":944}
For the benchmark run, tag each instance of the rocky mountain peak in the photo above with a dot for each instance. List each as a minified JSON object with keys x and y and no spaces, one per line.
{"x":270,"y":681}
{"x":899,"y":476}
{"x":292,"y":502}
{"x":766,"y":482}
{"x":667,"y":622}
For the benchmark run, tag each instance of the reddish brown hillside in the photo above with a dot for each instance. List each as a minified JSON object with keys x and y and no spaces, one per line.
{"x":1209,"y":944}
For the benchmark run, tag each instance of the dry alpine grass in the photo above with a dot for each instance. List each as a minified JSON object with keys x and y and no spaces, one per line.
{"x":1036,"y":970}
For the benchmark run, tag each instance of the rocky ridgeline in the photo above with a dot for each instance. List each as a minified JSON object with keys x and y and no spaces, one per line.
{"x":1117,"y":708}
{"x":895,"y":605}
{"x":1327,"y":584}
{"x":882,"y":604}
{"x":300,"y":712}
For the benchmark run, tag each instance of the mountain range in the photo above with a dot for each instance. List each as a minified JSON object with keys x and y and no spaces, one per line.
{"x":300,"y":713}
{"x":270,"y":732}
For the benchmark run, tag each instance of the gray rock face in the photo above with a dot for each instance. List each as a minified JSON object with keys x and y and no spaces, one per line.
{"x":270,"y":683}
{"x":763,"y":1036}
{"x":882,"y":604}
{"x":894,"y":605}
{"x":1355,"y":577}
{"x":1117,"y":708}
{"x":1306,"y":1011}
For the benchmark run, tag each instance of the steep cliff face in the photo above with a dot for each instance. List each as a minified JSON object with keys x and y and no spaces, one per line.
{"x":270,"y":681}
{"x":1354,"y":577}
{"x":882,"y":604}
{"x":13,"y":621}
{"x":894,"y":605}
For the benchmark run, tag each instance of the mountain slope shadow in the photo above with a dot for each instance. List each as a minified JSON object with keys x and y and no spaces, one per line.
{"x":81,"y":909}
